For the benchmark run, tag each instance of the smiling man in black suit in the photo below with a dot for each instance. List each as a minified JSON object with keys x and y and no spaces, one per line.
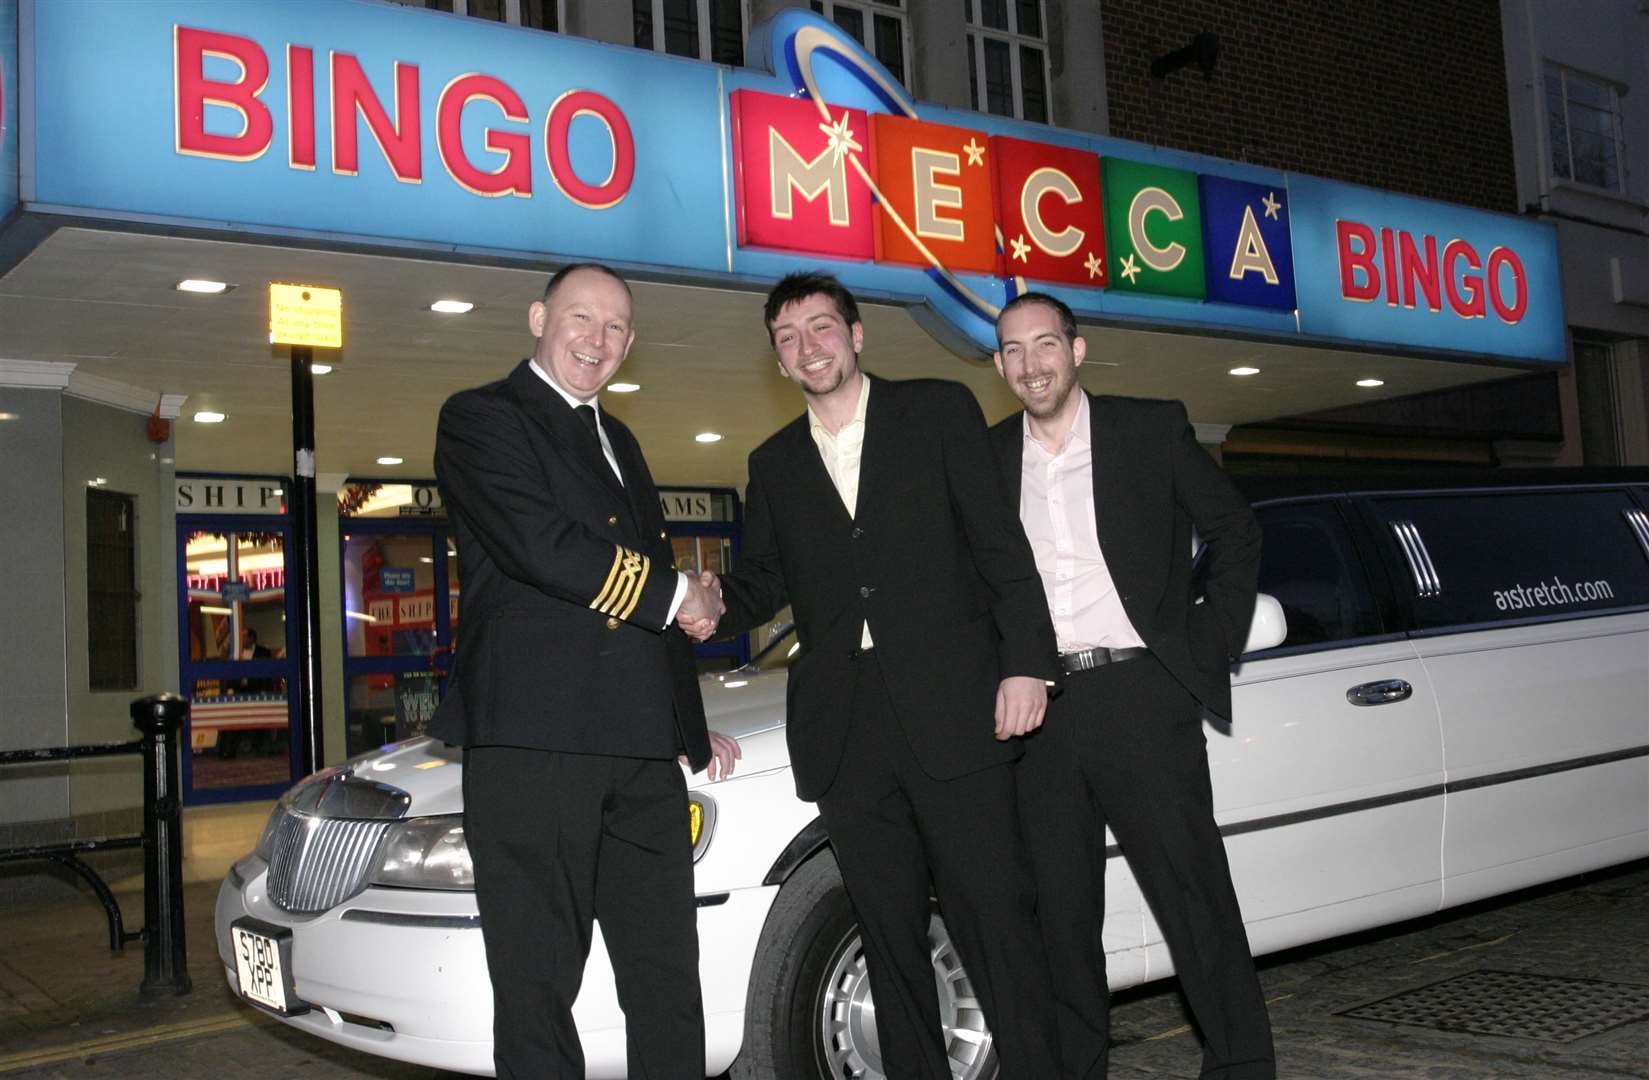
{"x":572,"y":695}
{"x":1109,"y":489}
{"x":925,"y":648}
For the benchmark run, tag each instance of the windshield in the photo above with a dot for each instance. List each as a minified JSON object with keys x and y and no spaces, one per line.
{"x":780,"y":649}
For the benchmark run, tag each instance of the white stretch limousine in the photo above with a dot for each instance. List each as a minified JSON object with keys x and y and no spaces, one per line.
{"x":1460,"y":707}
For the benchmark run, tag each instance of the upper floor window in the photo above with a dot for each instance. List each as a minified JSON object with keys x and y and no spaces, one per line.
{"x":1583,"y":114}
{"x":878,"y":25}
{"x":538,"y":14}
{"x":702,"y":29}
{"x":1008,"y":58}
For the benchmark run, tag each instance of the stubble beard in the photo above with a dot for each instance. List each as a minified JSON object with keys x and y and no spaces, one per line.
{"x":1049,"y":407}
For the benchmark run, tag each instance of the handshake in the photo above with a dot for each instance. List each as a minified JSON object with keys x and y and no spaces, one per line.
{"x":702,"y":608}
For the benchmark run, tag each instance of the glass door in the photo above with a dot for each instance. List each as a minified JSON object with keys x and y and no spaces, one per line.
{"x":236,"y":663}
{"x":400,"y":605}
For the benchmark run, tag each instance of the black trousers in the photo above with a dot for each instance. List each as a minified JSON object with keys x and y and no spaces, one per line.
{"x":898,"y":833}
{"x":1123,"y":745}
{"x":559,"y":840}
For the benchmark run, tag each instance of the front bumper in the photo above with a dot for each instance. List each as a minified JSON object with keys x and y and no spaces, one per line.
{"x":402,"y":973}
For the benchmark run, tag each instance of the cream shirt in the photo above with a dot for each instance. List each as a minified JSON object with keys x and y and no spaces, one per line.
{"x":1056,"y":504}
{"x":841,"y":454}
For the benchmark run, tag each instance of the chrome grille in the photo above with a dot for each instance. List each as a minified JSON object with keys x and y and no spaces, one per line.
{"x":316,"y":862}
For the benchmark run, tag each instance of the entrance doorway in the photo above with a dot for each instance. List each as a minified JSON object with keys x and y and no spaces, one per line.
{"x":399,"y":564}
{"x":235,"y":657}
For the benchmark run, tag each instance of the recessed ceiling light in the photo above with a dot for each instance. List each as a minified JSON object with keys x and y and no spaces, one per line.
{"x":201,"y":285}
{"x":205,"y":417}
{"x":1371,"y":382}
{"x":99,"y":482}
{"x":320,"y":369}
{"x":452,"y":307}
{"x":425,"y":559}
{"x":707,"y":436}
{"x":624,"y":387}
{"x":389,"y":461}
{"x":1245,"y":371}
{"x":7,"y":416}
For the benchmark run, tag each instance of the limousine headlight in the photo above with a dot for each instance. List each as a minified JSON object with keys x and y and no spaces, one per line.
{"x":431,"y":853}
{"x":426,"y":853}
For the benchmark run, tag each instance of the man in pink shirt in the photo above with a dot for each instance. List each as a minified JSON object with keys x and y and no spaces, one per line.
{"x":1109,"y":490}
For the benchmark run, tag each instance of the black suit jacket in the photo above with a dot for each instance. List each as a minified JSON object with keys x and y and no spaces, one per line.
{"x":935,"y":560}
{"x":1152,"y":484}
{"x":567,"y":578}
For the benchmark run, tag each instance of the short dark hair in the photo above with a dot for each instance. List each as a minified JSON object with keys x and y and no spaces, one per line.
{"x":572,"y":268}
{"x":800,"y":286}
{"x":249,"y":632}
{"x":1067,"y":321}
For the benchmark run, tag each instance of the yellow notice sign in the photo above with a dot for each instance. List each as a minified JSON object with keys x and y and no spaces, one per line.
{"x":306,"y":315}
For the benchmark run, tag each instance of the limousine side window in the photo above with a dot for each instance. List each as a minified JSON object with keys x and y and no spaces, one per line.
{"x":1492,"y":556}
{"x":1308,"y":563}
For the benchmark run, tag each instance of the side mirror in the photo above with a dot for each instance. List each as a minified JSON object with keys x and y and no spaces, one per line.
{"x":1269,"y":628}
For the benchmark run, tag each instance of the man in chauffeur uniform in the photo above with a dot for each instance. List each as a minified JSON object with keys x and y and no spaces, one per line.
{"x":1109,"y":489}
{"x":572,"y":695}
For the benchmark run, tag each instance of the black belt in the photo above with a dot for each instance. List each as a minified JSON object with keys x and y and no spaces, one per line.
{"x":1099,"y":656}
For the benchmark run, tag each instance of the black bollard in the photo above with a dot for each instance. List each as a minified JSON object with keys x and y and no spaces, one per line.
{"x":165,"y":961}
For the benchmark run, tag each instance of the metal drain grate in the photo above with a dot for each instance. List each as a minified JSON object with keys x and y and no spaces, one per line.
{"x":1541,"y":1007}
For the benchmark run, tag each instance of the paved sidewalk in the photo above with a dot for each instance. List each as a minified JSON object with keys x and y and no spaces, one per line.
{"x":1594,"y":927}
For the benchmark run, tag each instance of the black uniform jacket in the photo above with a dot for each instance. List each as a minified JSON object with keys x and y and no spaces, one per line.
{"x":935,"y":560}
{"x":1152,"y":484}
{"x":567,"y":581}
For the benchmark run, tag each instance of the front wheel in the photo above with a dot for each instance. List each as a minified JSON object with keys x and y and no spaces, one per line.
{"x":809,"y":1014}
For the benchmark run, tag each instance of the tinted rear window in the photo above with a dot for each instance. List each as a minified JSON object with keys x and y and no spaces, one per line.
{"x":1516,"y":555}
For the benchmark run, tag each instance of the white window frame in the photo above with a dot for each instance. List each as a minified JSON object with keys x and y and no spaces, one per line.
{"x":1551,"y":69}
{"x":870,"y":9}
{"x":512,"y":11}
{"x":977,"y":32}
{"x":704,"y":27}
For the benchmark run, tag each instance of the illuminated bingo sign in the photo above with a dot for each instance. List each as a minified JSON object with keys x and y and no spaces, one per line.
{"x":844,"y":165}
{"x":372,"y":122}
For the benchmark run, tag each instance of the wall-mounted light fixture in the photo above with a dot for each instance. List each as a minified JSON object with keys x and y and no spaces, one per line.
{"x":1203,"y":51}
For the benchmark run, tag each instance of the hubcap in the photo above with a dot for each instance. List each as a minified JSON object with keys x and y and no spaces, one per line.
{"x":847,"y":1013}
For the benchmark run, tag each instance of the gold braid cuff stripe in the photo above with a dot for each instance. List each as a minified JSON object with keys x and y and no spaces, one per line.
{"x":621,"y":592}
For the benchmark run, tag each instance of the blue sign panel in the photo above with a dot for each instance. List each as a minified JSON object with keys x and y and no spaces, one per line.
{"x":395,"y":580}
{"x":8,"y":107}
{"x":352,"y":121}
{"x":1248,"y":253}
{"x":1377,"y":267}
{"x":236,"y":592}
{"x":225,"y":112}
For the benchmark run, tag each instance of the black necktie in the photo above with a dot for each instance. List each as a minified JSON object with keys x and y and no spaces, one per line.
{"x":586,"y":413}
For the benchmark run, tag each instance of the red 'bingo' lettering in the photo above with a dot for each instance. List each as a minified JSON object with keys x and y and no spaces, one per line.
{"x":396,"y":127}
{"x":1408,"y":271}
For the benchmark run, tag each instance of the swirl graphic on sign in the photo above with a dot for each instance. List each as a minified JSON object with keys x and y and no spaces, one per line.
{"x":820,"y":62}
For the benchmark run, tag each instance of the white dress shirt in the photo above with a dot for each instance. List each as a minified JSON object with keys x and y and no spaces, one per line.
{"x":607,"y":451}
{"x":841,"y":453}
{"x":1056,"y":504}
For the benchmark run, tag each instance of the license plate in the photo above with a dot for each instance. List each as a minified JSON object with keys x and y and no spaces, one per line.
{"x":263,"y":965}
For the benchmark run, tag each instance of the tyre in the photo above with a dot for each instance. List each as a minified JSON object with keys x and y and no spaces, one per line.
{"x":809,"y":1013}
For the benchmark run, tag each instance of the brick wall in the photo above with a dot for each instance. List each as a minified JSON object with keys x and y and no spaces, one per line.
{"x":1405,"y":95}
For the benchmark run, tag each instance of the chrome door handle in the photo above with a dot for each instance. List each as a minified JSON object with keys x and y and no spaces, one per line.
{"x":1383,"y":692}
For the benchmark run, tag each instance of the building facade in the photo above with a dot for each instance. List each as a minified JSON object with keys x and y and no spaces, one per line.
{"x":409,"y":155}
